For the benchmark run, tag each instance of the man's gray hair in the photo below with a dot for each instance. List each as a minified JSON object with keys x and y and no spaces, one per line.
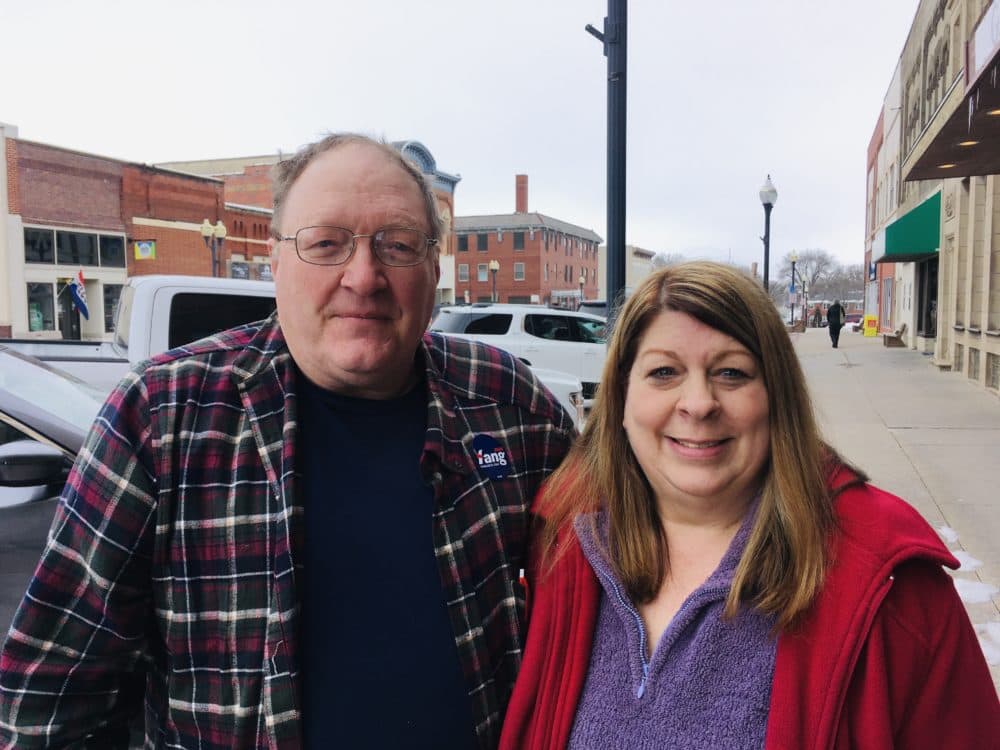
{"x":287,"y":171}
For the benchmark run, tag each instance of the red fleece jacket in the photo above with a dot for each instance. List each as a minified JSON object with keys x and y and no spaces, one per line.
{"x":885,"y":657}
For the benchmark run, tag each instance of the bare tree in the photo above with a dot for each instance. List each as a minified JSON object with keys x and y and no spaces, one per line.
{"x":661,"y":260}
{"x":846,"y":282}
{"x":812,"y":267}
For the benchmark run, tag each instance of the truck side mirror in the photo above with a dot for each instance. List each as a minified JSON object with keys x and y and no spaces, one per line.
{"x":32,"y":471}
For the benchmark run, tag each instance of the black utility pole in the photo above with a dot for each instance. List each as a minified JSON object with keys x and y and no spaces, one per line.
{"x":615,"y":49}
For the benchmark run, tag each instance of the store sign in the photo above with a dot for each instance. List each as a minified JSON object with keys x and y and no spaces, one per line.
{"x":144,"y":249}
{"x":985,"y":41}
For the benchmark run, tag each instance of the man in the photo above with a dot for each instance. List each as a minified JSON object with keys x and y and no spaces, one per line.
{"x":835,"y":321}
{"x":303,"y":532}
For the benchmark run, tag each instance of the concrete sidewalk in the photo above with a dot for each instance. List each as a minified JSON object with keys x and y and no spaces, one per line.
{"x":931,"y":437}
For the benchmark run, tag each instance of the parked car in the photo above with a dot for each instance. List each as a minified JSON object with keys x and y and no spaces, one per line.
{"x":597,"y":307}
{"x":564,"y":340}
{"x":854,"y":321}
{"x":44,"y":417}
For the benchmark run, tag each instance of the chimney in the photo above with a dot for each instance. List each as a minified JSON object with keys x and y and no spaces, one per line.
{"x":521,"y":193}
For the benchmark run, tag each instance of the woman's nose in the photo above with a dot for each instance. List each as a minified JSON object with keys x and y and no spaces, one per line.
{"x":698,"y":398}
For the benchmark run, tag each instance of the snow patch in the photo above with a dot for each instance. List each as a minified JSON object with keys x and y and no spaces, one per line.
{"x":974,"y":592}
{"x":967,"y":562}
{"x":948,"y":534}
{"x":989,"y":639}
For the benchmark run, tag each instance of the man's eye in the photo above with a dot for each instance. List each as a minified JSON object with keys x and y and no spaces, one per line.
{"x":399,"y":248}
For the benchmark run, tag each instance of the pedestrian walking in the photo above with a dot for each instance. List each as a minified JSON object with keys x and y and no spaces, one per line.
{"x":709,"y":573}
{"x":835,"y":321}
{"x":305,"y":532}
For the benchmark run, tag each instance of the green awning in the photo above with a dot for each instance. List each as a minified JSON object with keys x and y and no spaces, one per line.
{"x":914,"y":236}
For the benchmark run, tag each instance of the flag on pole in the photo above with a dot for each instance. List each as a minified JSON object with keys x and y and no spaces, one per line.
{"x":79,"y":294}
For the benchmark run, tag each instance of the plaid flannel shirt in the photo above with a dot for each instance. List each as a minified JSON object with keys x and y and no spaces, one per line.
{"x":169,"y":577}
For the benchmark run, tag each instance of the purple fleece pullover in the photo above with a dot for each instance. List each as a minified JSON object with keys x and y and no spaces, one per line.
{"x":708,"y":684}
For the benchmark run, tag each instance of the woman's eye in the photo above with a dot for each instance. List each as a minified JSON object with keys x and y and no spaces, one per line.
{"x":662,"y":372}
{"x":733,"y":373}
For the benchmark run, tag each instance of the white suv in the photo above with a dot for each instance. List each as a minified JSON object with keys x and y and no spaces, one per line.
{"x":556,"y":339}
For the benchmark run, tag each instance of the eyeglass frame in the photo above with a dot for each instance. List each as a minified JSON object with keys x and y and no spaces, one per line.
{"x":429,"y":242}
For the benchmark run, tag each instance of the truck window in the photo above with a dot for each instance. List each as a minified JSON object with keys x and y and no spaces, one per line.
{"x":195,"y":315}
{"x":449,"y":321}
{"x":123,"y":317}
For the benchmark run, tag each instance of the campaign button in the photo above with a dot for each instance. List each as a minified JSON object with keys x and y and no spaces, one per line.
{"x":491,"y":457}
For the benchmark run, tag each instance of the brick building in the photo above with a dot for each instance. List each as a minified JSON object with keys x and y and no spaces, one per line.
{"x":541,"y":259}
{"x":64,"y":211}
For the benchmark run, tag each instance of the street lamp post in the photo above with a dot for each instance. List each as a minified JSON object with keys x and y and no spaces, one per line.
{"x":791,"y":292}
{"x":583,"y":280}
{"x":494,"y":267}
{"x":214,"y":236}
{"x":768,"y":197}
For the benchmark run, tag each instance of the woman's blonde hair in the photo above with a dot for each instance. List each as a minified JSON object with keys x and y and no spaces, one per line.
{"x":783,"y":565}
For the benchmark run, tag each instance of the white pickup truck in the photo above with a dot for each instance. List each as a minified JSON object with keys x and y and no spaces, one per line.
{"x":159,"y":312}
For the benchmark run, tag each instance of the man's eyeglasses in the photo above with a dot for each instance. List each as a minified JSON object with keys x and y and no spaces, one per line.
{"x":332,"y":246}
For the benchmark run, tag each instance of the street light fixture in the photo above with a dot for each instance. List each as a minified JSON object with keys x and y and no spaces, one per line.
{"x":494,"y":267}
{"x":768,"y":197}
{"x":791,"y":291}
{"x":583,"y":280}
{"x":214,"y":236}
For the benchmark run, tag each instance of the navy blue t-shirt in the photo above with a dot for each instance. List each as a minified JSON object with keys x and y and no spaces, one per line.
{"x":379,"y":662}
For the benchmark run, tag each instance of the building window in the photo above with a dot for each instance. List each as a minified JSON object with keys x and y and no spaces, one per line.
{"x":39,"y":246}
{"x":481,"y":272}
{"x":519,"y":240}
{"x":41,"y":308}
{"x":519,"y":272}
{"x":546,"y":267}
{"x":111,"y":294}
{"x":482,"y":240}
{"x":463,"y":271}
{"x":239,"y":269}
{"x":76,"y":249}
{"x":463,"y":243}
{"x":112,"y":251}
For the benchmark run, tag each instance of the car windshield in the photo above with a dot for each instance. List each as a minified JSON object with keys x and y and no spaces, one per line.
{"x":46,"y":388}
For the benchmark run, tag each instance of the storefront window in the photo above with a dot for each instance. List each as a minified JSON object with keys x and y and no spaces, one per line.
{"x":38,"y":246}
{"x":111,"y":294}
{"x":76,"y":248}
{"x":41,"y":309}
{"x":112,"y":251}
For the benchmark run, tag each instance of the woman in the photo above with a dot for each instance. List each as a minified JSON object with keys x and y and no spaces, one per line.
{"x":714,"y":576}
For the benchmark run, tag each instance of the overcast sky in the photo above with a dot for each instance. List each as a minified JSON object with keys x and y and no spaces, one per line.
{"x":719,"y":95}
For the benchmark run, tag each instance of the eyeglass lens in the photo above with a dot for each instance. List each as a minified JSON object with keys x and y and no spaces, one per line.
{"x":333,"y":245}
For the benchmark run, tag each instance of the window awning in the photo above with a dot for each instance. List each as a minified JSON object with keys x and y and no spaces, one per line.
{"x":914,"y":236}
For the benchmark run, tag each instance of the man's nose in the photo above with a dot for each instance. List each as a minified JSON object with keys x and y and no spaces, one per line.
{"x":363,"y":272}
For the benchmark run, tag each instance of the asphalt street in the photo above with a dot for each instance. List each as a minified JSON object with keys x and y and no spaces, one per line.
{"x":930,"y":436}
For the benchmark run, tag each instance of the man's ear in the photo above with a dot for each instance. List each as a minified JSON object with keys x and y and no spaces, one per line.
{"x":272,"y":248}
